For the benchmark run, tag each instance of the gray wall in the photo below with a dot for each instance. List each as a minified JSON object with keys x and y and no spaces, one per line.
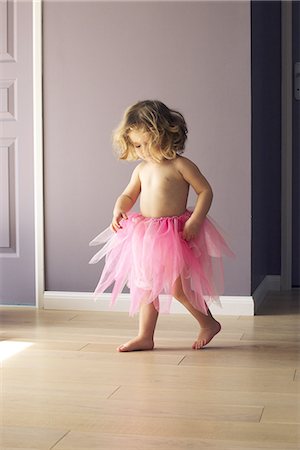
{"x":100,"y":57}
{"x":266,"y":139}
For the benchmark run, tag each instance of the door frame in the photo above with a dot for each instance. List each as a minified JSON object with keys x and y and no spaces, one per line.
{"x":286,"y":144}
{"x":38,"y":153}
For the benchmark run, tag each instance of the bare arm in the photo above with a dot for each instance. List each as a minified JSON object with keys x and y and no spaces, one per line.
{"x":126,"y":200}
{"x":201,"y":186}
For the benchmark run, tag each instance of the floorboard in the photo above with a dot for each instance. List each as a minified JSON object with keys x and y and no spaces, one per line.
{"x":64,"y":386}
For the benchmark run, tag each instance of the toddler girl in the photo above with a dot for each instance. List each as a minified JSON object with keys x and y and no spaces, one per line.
{"x":165,"y":248}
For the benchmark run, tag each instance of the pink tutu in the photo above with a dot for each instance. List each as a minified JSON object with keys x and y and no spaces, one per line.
{"x":149,"y":254}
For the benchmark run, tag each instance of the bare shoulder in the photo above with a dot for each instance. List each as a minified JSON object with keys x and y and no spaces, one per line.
{"x":191,"y":173}
{"x":137,"y":170}
{"x":184,"y":164}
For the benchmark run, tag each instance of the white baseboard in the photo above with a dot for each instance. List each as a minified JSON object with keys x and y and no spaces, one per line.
{"x":84,"y":301}
{"x":20,"y":306}
{"x":269,"y":283}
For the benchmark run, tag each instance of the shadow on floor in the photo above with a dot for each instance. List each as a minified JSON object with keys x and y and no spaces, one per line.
{"x":280,"y":303}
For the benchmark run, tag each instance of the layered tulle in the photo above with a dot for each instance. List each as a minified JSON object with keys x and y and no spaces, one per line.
{"x":149,"y":254}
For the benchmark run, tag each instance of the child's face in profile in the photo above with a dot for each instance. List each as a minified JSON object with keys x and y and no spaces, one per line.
{"x":140,"y":140}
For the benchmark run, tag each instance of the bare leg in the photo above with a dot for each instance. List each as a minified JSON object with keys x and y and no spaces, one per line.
{"x":209,"y":326}
{"x":147,"y":323}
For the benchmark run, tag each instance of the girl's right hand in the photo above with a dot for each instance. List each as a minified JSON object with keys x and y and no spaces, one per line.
{"x":115,"y":224}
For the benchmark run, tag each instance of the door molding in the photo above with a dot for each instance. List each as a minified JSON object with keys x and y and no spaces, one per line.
{"x":286,"y":144}
{"x":38,"y":153}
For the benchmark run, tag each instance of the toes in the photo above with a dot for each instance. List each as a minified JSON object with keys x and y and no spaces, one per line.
{"x":198,"y":345}
{"x":122,"y":348}
{"x":133,"y":346}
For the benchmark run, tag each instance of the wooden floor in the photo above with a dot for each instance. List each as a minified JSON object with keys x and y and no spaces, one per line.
{"x":67,"y":388}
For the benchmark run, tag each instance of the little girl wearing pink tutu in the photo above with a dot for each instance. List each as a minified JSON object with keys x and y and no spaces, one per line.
{"x":165,"y":249}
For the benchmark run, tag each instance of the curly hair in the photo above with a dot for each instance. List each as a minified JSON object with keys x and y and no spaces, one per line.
{"x":166,"y":127}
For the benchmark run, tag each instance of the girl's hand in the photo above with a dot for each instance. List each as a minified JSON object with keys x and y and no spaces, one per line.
{"x":118,"y":216}
{"x":191,"y":229}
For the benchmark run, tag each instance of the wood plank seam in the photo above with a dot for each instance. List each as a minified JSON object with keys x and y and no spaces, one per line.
{"x":116,"y":390}
{"x":85,"y":345}
{"x":60,"y":439}
{"x":181,"y":360}
{"x":262,"y":413}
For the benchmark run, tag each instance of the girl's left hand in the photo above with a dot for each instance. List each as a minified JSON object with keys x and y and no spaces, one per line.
{"x":191,"y":229}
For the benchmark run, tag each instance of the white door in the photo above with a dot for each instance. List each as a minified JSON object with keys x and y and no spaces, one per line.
{"x":17,"y":272}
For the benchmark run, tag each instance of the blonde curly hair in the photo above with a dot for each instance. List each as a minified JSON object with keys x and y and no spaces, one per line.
{"x":167,"y":130}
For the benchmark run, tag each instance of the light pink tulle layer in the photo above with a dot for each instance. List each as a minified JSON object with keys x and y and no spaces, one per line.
{"x":149,"y":254}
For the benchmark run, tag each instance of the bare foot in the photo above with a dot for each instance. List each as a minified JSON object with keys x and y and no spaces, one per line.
{"x":136,"y":344}
{"x":206,"y":335}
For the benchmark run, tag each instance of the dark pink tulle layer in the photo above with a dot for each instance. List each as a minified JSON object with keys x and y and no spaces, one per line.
{"x":149,"y":254}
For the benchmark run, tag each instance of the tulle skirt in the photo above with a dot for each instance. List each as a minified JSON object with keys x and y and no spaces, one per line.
{"x":149,"y":255}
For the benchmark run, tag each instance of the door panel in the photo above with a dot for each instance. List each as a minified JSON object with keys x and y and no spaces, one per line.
{"x":296,"y":155}
{"x":17,"y":272}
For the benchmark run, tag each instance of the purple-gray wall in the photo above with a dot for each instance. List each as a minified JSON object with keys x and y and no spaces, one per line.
{"x":266,"y":139}
{"x":100,"y":57}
